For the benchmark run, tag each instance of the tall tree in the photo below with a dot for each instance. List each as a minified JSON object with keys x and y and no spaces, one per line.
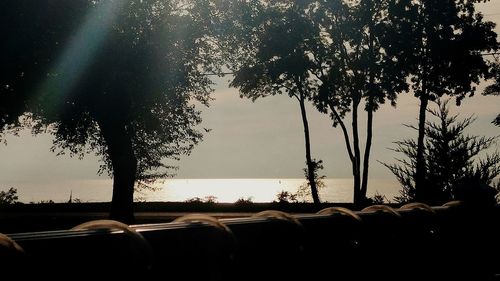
{"x":451,"y":157}
{"x":270,"y":56}
{"x":448,"y":38}
{"x":118,"y":78}
{"x":358,"y":57}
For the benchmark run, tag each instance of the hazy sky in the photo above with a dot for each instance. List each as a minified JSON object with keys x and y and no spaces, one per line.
{"x":263,"y":139}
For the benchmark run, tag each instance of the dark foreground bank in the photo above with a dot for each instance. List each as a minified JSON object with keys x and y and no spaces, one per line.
{"x":413,"y":242}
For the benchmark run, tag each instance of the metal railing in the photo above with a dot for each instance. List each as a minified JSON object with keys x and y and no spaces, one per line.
{"x":412,"y":242}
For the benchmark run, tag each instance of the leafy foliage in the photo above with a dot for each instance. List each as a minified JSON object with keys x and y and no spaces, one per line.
{"x":141,"y":189}
{"x":378,"y":199}
{"x":446,"y":39}
{"x":210,"y":199}
{"x":116,"y":78}
{"x":242,"y":201}
{"x":359,"y":56}
{"x":150,"y":81}
{"x":451,"y":160}
{"x":25,"y":51}
{"x":286,"y":197}
{"x":494,"y":89}
{"x":142,"y":76}
{"x":8,"y":197}
{"x":304,"y":190}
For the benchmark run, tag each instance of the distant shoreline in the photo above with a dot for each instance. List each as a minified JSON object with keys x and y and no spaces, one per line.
{"x":180,"y":190}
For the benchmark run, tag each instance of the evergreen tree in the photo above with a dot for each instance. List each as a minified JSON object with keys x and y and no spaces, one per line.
{"x":453,"y":167}
{"x":448,"y":38}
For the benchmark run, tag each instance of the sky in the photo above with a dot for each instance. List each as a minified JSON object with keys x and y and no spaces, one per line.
{"x":261,"y":139}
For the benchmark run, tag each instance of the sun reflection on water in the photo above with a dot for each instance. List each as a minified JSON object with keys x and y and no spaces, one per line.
{"x":259,"y":190}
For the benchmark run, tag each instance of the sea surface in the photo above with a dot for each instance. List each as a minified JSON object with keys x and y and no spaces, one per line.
{"x":224,"y":190}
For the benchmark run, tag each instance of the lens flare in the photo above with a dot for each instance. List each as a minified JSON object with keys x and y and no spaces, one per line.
{"x":79,"y":53}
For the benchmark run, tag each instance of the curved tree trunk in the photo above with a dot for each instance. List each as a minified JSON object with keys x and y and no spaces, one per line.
{"x":346,"y":139}
{"x":124,"y":163}
{"x":344,"y":131}
{"x":420,"y":186}
{"x":309,"y":162}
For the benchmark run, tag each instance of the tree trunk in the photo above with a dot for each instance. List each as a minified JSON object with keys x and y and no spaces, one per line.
{"x":369,"y":123}
{"x":358,"y":199}
{"x":124,"y":164}
{"x":310,"y":165}
{"x":346,"y":138}
{"x":366,"y":160}
{"x":420,"y":186}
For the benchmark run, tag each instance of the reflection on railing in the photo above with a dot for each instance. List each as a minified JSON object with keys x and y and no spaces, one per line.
{"x":413,"y":242}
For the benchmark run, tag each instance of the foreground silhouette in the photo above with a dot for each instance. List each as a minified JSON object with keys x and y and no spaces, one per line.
{"x":456,"y":240}
{"x":114,"y":78}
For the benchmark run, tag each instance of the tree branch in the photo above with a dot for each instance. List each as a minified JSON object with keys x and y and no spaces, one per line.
{"x":344,"y":130}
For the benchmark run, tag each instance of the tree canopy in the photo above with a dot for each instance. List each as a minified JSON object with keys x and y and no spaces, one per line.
{"x":29,"y":48}
{"x":116,"y":78}
{"x":121,"y":78}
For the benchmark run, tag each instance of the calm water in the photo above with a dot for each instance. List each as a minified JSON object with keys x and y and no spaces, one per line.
{"x":226,"y":190}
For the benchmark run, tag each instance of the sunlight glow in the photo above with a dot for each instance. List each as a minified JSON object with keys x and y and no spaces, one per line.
{"x":180,"y":190}
{"x":80,"y":52}
{"x":259,"y":190}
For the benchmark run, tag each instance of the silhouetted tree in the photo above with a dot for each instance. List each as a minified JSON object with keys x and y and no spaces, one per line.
{"x":451,"y":160}
{"x":447,"y":38}
{"x":304,"y":190}
{"x":8,"y":197}
{"x":242,"y":201}
{"x":494,"y":89}
{"x":117,"y":78}
{"x":286,"y":197}
{"x":358,"y":57}
{"x":270,"y":56}
{"x":336,"y":53}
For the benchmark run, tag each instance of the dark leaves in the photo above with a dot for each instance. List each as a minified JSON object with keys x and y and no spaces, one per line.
{"x":142,"y":75}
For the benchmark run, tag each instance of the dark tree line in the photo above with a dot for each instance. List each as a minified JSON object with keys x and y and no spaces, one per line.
{"x":118,"y":78}
{"x":342,"y":55}
{"x":331,"y":53}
